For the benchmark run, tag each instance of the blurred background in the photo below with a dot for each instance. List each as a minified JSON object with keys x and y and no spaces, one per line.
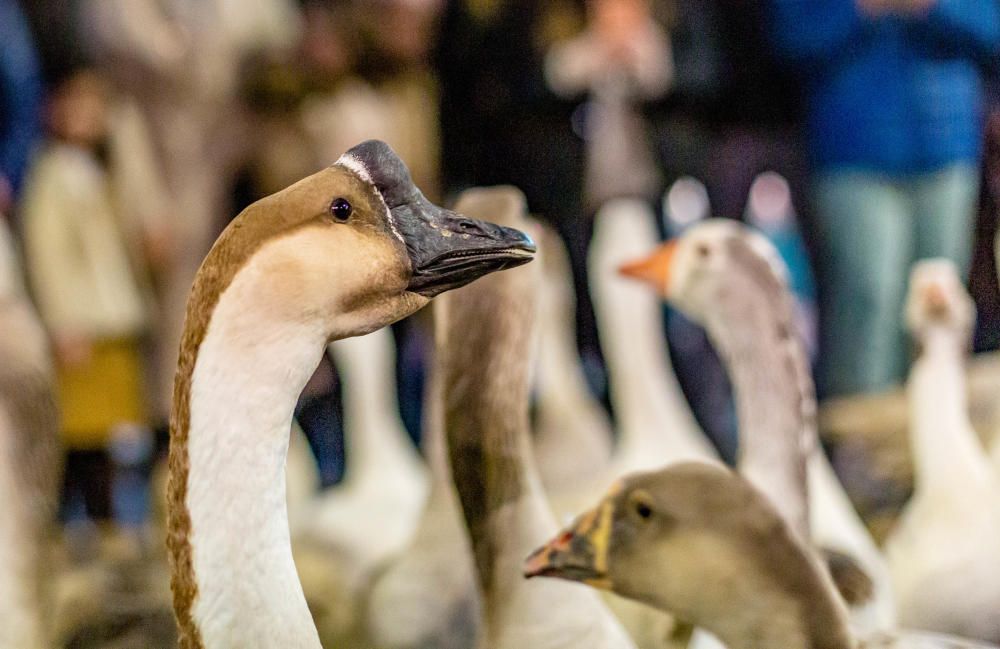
{"x":859,"y":135}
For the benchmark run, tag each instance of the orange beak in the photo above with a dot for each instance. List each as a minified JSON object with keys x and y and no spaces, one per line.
{"x":654,"y":269}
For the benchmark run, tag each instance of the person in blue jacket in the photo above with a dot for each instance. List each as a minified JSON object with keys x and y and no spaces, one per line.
{"x":20,"y":99}
{"x":894,"y":94}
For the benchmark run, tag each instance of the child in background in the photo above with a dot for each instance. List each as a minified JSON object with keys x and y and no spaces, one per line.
{"x":88,"y":291}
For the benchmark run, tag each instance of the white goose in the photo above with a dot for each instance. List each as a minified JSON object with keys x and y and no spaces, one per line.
{"x":484,"y":342}
{"x":654,"y":421}
{"x":945,"y":550}
{"x":731,"y":280}
{"x":30,"y":462}
{"x":373,"y":512}
{"x":341,"y":253}
{"x":567,"y":414}
{"x":426,"y":598}
{"x":702,"y":542}
{"x":343,"y":536}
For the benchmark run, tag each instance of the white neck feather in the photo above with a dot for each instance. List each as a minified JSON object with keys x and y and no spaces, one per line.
{"x":947,"y":452}
{"x":20,"y":615}
{"x":655,"y":422}
{"x":247,"y":377}
{"x":568,"y":415}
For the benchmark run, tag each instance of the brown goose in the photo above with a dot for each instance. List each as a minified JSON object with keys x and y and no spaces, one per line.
{"x":702,"y":542}
{"x":427,"y":597}
{"x":30,"y":462}
{"x":340,"y":253}
{"x":484,"y":342}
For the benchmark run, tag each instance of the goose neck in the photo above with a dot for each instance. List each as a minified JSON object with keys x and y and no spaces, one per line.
{"x":785,"y":599}
{"x":243,"y":387}
{"x":652,"y":414}
{"x":945,"y":447}
{"x":774,"y":400}
{"x":20,"y":589}
{"x":374,"y":433}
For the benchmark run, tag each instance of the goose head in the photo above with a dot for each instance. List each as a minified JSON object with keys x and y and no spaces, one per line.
{"x":694,"y":539}
{"x":710,"y":263}
{"x":665,"y":538}
{"x":937,"y":300}
{"x":358,"y":246}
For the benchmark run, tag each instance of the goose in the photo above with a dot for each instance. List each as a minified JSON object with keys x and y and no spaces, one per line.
{"x":427,"y":597}
{"x":341,"y":253}
{"x":372,"y":513}
{"x":654,"y":422}
{"x":567,"y":416}
{"x":944,"y":553}
{"x":484,"y":341}
{"x":703,"y":542}
{"x":342,"y":537}
{"x":30,"y":461}
{"x":730,"y":279}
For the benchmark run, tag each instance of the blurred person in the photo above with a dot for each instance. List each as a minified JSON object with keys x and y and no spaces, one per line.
{"x":90,"y":293}
{"x":502,"y":124}
{"x":20,"y":100}
{"x":182,"y":62}
{"x":622,"y":58}
{"x":283,"y":153}
{"x":894,"y":126}
{"x":371,"y":77}
{"x":380,"y":83}
{"x":984,"y":284}
{"x":731,"y":113}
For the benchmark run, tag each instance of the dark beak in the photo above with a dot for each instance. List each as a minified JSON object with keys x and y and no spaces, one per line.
{"x":579,"y":553}
{"x":448,"y":250}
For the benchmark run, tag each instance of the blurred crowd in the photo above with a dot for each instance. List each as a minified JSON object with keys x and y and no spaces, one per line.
{"x":860,"y":135}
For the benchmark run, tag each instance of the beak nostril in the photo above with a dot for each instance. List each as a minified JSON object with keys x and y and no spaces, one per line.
{"x":469,"y":226}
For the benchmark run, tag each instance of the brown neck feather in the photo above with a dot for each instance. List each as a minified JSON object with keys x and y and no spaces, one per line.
{"x":484,"y":345}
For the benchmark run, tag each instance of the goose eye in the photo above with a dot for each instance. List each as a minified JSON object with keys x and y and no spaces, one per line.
{"x":643,"y":510}
{"x":642,"y":505}
{"x":703,"y":251}
{"x":341,"y":209}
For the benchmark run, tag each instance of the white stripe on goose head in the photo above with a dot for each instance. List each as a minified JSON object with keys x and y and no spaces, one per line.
{"x":352,"y":163}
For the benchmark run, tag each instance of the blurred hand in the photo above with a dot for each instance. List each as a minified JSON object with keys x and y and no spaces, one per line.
{"x":72,"y":349}
{"x":6,"y":195}
{"x":918,"y":8}
{"x":618,"y":24}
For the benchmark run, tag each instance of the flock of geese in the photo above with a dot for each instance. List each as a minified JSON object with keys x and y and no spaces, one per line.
{"x":674,"y":549}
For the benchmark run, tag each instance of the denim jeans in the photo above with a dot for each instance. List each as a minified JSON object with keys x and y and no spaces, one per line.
{"x":870,"y":230}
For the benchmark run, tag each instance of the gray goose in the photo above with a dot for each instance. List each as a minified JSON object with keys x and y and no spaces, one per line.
{"x":731,"y":280}
{"x":340,"y":253}
{"x":702,"y":542}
